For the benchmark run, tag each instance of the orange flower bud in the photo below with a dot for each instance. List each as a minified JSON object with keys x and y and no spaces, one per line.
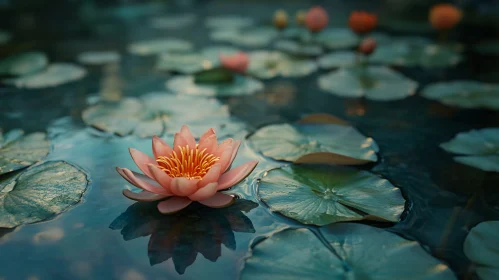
{"x":280,"y":19}
{"x":316,"y":19}
{"x":300,"y":17}
{"x":367,"y":46}
{"x":362,"y":22}
{"x":445,"y":16}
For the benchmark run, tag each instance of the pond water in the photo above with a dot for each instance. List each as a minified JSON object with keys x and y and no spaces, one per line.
{"x":107,"y":236}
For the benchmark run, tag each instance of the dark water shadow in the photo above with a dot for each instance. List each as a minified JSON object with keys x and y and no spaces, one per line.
{"x":181,"y":236}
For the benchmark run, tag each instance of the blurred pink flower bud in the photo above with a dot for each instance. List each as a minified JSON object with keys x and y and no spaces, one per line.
{"x":316,"y":19}
{"x":238,"y":62}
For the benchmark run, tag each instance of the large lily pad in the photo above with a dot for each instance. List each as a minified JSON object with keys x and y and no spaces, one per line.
{"x":23,"y":64}
{"x":479,"y":148}
{"x":18,"y":151}
{"x":240,"y":85}
{"x":157,"y":46}
{"x":320,"y":195}
{"x":229,"y":22}
{"x":356,"y":252}
{"x":372,"y":82}
{"x":465,"y":94}
{"x":482,"y":248}
{"x":318,"y":143}
{"x":309,"y":49}
{"x":173,"y":21}
{"x":159,"y":113}
{"x":190,"y":63}
{"x":337,"y":38}
{"x":39,"y":193}
{"x":269,"y":64}
{"x":338,"y":59}
{"x":55,"y":74}
{"x":99,"y":57}
{"x":248,"y":37}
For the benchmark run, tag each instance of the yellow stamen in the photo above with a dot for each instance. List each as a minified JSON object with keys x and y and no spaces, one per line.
{"x":191,"y":163}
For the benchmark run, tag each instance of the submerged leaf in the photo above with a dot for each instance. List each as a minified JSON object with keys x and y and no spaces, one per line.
{"x":23,"y":64}
{"x":18,"y":151}
{"x":39,"y":193}
{"x":482,"y":248}
{"x":229,"y":22}
{"x":298,"y":48}
{"x":337,"y":38}
{"x":98,"y":57}
{"x":465,"y":94}
{"x":320,"y":195}
{"x":174,"y":21}
{"x":55,"y":74}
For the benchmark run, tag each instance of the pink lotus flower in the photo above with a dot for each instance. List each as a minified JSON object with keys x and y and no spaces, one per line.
{"x":238,"y":62}
{"x":187,"y":172}
{"x":316,"y":19}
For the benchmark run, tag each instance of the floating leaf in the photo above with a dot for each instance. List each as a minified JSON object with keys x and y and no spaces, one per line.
{"x":23,"y":64}
{"x":157,"y":113}
{"x":18,"y":151}
{"x":55,"y":74}
{"x":157,"y":46}
{"x":229,"y":22}
{"x":465,"y":94}
{"x":39,"y":193}
{"x":248,"y":37}
{"x":295,"y":33}
{"x":4,"y":37}
{"x":320,"y":195}
{"x":338,"y":59}
{"x":372,"y":82}
{"x":173,"y":21}
{"x":319,"y":143}
{"x":480,"y":148}
{"x":241,"y":85}
{"x":269,"y":64}
{"x":337,"y":38}
{"x":98,"y":57}
{"x":298,"y":49}
{"x":482,"y":248}
{"x":356,"y":252}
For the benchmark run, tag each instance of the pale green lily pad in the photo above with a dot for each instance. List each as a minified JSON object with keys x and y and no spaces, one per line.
{"x":159,"y":113}
{"x":337,"y":38}
{"x":298,"y":48}
{"x":269,"y":64}
{"x":229,"y":22}
{"x":465,"y":94}
{"x":39,"y":193}
{"x":295,"y":143}
{"x":338,"y":59}
{"x":427,"y":56}
{"x":191,"y":63}
{"x":19,"y":151}
{"x":99,"y":57}
{"x":4,"y":37}
{"x":320,"y":195}
{"x":354,"y":251}
{"x":241,"y":85}
{"x":174,"y":21}
{"x":479,"y":148}
{"x":55,"y":74}
{"x":295,"y":33}
{"x":248,"y":37}
{"x":487,"y":47}
{"x":157,"y":46}
{"x":23,"y":64}
{"x":372,"y":82}
{"x":482,"y":248}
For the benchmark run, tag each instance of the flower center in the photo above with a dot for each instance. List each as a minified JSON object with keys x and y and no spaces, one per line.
{"x":190,"y":163}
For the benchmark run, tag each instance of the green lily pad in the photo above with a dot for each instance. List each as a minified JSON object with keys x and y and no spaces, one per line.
{"x":241,"y":85}
{"x":465,"y":94}
{"x":55,"y":74}
{"x":229,"y":22}
{"x":39,"y":193}
{"x":298,"y":48}
{"x":295,"y":33}
{"x":269,"y":64}
{"x":320,"y":195}
{"x":427,"y":56}
{"x":479,"y":148}
{"x":487,"y":47}
{"x":338,"y":59}
{"x":249,"y":37}
{"x":159,"y":113}
{"x":19,"y":151}
{"x":337,"y":38}
{"x":157,"y":46}
{"x":354,"y":251}
{"x":191,"y":63}
{"x":372,"y":82}
{"x":23,"y":64}
{"x":173,"y":21}
{"x":319,"y":143}
{"x":99,"y":57}
{"x":4,"y":37}
{"x":481,"y":247}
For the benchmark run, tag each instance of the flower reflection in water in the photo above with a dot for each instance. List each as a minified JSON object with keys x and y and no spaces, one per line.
{"x":182,"y":235}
